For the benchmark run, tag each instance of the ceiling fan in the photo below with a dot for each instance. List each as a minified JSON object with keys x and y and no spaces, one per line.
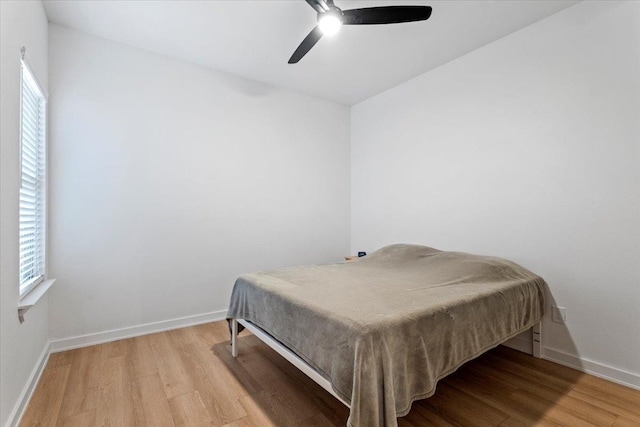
{"x":331,"y":18}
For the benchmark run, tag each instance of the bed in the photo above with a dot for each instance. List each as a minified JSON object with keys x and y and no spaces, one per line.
{"x":379,"y":332}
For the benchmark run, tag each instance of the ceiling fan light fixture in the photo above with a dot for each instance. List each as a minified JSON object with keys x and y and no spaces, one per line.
{"x":329,"y":23}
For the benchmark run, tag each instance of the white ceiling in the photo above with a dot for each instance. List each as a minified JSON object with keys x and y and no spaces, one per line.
{"x":254,"y":39}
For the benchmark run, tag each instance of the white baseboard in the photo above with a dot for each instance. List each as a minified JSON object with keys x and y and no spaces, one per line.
{"x":134,"y":331}
{"x":615,"y":375}
{"x":27,"y":391}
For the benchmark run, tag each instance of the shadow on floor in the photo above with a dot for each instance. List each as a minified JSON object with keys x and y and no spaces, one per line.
{"x":502,"y":387}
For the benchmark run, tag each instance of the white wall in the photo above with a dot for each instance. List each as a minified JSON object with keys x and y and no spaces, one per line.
{"x":527,"y":148}
{"x":22,"y":23}
{"x":169,"y":180}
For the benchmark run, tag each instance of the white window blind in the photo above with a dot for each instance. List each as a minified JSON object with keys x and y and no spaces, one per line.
{"x":32,"y":188}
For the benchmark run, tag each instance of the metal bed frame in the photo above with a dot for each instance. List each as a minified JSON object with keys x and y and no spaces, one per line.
{"x":311,"y":372}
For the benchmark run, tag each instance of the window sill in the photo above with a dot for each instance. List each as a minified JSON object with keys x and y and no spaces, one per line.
{"x":30,"y":299}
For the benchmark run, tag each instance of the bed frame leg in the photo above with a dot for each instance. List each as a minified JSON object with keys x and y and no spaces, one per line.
{"x":234,"y":337}
{"x":537,"y":340}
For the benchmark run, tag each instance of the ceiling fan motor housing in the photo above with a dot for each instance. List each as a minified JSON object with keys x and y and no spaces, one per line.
{"x":333,"y":11}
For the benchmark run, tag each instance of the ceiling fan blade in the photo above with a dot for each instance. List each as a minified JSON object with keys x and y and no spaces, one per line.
{"x":306,"y":45}
{"x":320,"y":6}
{"x":386,"y":15}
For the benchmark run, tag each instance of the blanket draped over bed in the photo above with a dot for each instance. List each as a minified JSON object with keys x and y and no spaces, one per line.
{"x":385,"y":328}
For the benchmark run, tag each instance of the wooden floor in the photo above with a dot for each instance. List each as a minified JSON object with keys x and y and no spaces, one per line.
{"x":187,"y":377}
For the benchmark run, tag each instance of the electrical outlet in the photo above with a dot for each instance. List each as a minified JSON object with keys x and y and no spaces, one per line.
{"x":558,"y":314}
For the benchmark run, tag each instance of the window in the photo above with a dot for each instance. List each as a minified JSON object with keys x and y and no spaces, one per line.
{"x":33,"y":180}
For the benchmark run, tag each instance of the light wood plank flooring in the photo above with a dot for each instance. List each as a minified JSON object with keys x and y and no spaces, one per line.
{"x":187,"y":377}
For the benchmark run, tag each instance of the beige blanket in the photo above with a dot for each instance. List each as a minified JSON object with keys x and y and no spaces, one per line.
{"x":385,"y":328}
